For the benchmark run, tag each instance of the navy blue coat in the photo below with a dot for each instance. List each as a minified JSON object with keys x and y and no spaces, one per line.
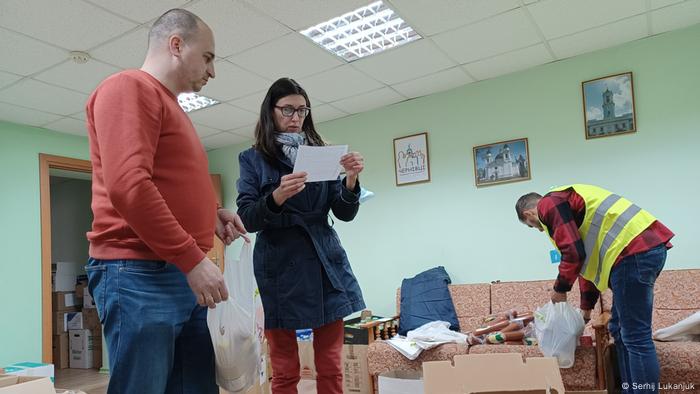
{"x":302,"y":270}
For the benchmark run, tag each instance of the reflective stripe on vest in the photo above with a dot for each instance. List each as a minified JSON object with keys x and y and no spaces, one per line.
{"x":607,"y":230}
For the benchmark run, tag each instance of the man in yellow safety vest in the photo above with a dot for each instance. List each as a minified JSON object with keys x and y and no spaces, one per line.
{"x":607,"y":241}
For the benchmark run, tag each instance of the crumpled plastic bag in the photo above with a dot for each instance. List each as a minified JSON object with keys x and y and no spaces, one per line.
{"x":686,"y":330}
{"x":558,"y":328}
{"x":425,"y":337}
{"x":235,"y":327}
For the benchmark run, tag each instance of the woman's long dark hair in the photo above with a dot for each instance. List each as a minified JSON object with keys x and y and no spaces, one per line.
{"x":265,"y":129}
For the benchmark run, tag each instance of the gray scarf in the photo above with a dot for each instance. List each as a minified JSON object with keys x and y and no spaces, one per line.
{"x":289,"y":142}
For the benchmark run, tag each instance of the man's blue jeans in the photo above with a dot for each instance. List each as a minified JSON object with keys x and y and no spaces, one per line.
{"x":632,"y":283}
{"x":156,"y":334}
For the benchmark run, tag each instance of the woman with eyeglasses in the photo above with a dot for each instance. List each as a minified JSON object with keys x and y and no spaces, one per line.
{"x":302,"y":270}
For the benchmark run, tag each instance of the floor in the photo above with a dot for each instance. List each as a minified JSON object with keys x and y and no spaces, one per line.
{"x":91,"y":381}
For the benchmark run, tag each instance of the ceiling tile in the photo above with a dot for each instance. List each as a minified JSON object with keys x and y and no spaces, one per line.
{"x":80,"y":115}
{"x":139,"y":10}
{"x":245,"y":131}
{"x":81,"y":77}
{"x":368,"y":101}
{"x":27,"y":55}
{"x":13,"y":113}
{"x":233,"y":82}
{"x":38,"y":95}
{"x":81,"y":25}
{"x":127,"y":51}
{"x":223,"y":117}
{"x":338,"y":83}
{"x":500,"y":34}
{"x":205,"y":131}
{"x":326,"y":112}
{"x":432,"y":17}
{"x":236,"y":25}
{"x":292,"y":56}
{"x":675,"y":17}
{"x":68,"y":125}
{"x":562,"y":17}
{"x":509,"y":62}
{"x":251,"y":102}
{"x":300,"y":14}
{"x":222,"y":139}
{"x":391,"y":66}
{"x":433,"y":83}
{"x":601,"y":37}
{"x":8,"y":78}
{"x":654,"y":4}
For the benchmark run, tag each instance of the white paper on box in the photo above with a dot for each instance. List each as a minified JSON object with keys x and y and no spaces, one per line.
{"x":321,"y":163}
{"x":65,"y":277}
{"x":73,"y":321}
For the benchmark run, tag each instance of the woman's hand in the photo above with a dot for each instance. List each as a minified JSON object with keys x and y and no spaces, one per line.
{"x":353,"y":163}
{"x":289,"y":186}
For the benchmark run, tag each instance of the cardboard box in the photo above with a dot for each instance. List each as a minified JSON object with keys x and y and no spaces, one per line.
{"x":59,"y":321}
{"x":61,"y":351}
{"x":85,"y":349}
{"x":356,"y":377}
{"x":64,"y":277}
{"x":13,"y":384}
{"x":401,"y":382}
{"x":85,"y":320}
{"x":88,"y":301}
{"x":63,"y":300}
{"x":30,"y":369}
{"x":494,"y":373}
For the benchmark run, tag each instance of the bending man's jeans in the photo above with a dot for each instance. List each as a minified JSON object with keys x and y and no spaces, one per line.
{"x":632,"y":283}
{"x":156,"y":334}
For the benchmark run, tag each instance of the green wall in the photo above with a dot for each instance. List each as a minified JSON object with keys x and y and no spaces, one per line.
{"x":474,"y":232}
{"x":20,"y":234}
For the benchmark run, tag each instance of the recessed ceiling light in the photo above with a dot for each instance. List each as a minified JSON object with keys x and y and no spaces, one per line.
{"x":362,"y":32}
{"x":192,"y":102}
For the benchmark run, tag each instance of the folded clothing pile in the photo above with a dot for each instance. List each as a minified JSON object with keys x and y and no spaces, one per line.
{"x":510,"y":328}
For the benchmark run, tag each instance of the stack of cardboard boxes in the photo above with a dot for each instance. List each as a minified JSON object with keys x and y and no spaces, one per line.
{"x":77,"y":333}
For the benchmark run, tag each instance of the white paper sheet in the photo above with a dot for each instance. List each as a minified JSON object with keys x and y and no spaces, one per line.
{"x":321,"y":163}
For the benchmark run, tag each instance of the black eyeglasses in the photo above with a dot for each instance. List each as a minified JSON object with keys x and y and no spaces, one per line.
{"x":288,"y":111}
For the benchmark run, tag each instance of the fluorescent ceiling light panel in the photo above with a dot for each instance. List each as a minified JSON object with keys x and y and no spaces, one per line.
{"x":363,"y":32}
{"x":192,"y":102}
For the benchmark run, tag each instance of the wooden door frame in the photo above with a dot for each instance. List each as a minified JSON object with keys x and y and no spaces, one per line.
{"x":46,"y":163}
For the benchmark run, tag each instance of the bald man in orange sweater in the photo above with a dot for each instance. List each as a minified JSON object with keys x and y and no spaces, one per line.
{"x":155,"y":216}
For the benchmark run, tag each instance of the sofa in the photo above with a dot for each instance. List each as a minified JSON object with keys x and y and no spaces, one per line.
{"x":474,"y":301}
{"x":676,"y":296}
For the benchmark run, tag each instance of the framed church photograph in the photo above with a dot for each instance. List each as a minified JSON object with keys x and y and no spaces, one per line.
{"x":501,"y":162}
{"x":608,"y":106}
{"x":411,"y":161}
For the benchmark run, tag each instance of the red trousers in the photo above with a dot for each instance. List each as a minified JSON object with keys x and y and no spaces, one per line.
{"x":328,"y":352}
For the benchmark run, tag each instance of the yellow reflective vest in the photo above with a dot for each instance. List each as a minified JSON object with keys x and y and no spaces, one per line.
{"x":611,"y":222}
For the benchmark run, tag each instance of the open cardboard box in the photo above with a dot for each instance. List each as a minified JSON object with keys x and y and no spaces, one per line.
{"x":14,"y":384}
{"x":498,"y":373}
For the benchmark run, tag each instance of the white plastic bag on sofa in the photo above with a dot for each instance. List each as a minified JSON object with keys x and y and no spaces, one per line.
{"x":235,"y":326}
{"x":686,"y":330}
{"x":558,"y":327}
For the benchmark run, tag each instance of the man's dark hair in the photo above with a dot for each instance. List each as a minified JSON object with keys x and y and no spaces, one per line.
{"x":528,"y":201}
{"x":173,"y":21}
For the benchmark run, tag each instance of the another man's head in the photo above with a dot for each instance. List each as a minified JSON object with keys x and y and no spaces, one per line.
{"x":526,"y":208}
{"x":181,"y":47}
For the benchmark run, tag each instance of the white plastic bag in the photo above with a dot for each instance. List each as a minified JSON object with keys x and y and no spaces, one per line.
{"x":558,"y":327}
{"x":235,"y":325}
{"x":686,"y":330}
{"x":435,"y":333}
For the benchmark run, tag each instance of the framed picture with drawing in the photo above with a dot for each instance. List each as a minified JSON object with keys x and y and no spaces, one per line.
{"x":501,"y":162}
{"x":411,"y":161}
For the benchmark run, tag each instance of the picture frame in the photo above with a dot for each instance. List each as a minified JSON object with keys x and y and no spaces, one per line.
{"x":411,"y":159}
{"x":608,"y":106}
{"x":501,"y":162}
